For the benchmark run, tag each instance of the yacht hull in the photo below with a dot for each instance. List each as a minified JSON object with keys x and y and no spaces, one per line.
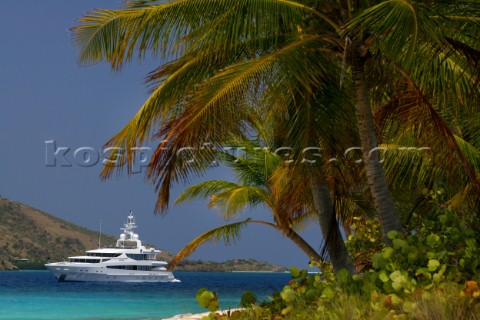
{"x":100,"y":274}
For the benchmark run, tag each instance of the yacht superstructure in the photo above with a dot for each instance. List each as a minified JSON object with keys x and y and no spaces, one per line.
{"x":128,"y":261}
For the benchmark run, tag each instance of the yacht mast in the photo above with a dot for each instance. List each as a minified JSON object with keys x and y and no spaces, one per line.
{"x":100,"y":235}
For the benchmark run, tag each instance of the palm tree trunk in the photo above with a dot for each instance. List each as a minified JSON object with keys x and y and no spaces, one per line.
{"x":332,"y":237}
{"x":302,"y":244}
{"x":375,"y":174}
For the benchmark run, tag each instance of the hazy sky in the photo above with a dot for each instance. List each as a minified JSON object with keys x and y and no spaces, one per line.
{"x":46,"y":96}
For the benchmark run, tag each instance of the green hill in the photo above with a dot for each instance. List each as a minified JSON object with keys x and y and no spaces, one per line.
{"x":28,"y":233}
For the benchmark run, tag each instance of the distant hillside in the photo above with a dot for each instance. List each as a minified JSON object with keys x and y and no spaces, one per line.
{"x":229,"y":265}
{"x":28,"y":233}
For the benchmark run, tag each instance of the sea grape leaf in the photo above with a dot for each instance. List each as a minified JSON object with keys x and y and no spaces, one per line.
{"x":390,"y":267}
{"x":400,"y":244}
{"x":200,"y":291}
{"x":328,"y":293}
{"x":395,"y":275}
{"x":205,"y":298}
{"x":433,"y":264}
{"x":383,"y":276}
{"x":295,"y":272}
{"x":288,"y":295}
{"x":214,"y":305}
{"x":357,"y":277}
{"x":392,"y":234}
{"x":387,"y":252}
{"x":398,"y":280}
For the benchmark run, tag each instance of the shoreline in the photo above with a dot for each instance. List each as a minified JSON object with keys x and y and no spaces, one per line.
{"x":198,"y":316}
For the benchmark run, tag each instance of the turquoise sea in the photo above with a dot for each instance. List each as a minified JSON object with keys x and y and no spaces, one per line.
{"x":38,"y":295}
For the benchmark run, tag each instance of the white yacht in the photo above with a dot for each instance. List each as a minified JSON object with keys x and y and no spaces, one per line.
{"x":128,"y":261}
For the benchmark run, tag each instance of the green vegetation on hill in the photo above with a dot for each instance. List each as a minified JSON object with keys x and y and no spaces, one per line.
{"x":229,"y":265}
{"x":28,"y":233}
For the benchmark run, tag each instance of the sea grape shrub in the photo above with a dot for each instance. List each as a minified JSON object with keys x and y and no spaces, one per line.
{"x":439,"y":253}
{"x":439,"y":249}
{"x":301,"y":290}
{"x":437,"y":257}
{"x":439,"y":246}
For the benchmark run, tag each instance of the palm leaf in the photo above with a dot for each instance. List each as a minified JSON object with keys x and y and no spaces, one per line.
{"x":229,"y":233}
{"x":114,"y":35}
{"x":228,"y":197}
{"x":205,"y":189}
{"x":416,"y":111}
{"x":232,"y":202}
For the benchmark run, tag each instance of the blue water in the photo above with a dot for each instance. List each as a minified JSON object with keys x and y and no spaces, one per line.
{"x":37,"y":295}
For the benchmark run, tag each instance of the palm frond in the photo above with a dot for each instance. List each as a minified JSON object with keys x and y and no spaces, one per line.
{"x":255,"y":165}
{"x":392,"y":25}
{"x":231,"y":202}
{"x":229,"y":233}
{"x":114,"y":35}
{"x":131,"y":4}
{"x":206,"y":189}
{"x":464,"y":201}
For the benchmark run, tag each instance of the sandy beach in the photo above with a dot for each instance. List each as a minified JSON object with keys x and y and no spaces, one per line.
{"x":197,"y":316}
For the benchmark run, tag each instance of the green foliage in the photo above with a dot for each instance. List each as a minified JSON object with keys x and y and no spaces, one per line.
{"x":414,"y":278}
{"x":365,"y":242}
{"x":440,"y":246}
{"x":304,"y":289}
{"x":207,"y":299}
{"x":254,"y":171}
{"x":248,"y":298}
{"x":228,"y":232}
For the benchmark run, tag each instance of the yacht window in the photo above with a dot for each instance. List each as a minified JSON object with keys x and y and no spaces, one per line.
{"x":102,"y":254}
{"x":85,"y":260}
{"x":145,"y":268}
{"x":116,"y":267}
{"x":128,"y":267}
{"x":137,"y":256}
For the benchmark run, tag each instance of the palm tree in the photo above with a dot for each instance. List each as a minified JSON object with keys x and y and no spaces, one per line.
{"x":253,"y":171}
{"x":322,"y":200}
{"x":314,"y":122}
{"x":413,"y":41}
{"x":421,"y":168}
{"x":221,"y":57}
{"x":265,"y":179}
